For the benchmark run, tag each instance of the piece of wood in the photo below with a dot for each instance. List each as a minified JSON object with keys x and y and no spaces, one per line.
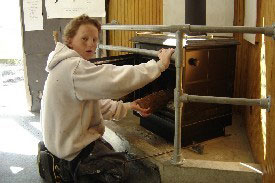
{"x":55,"y":36}
{"x":156,"y":100}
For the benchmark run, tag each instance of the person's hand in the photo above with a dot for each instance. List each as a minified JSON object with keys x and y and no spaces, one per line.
{"x":143,"y":112}
{"x":165,"y":56}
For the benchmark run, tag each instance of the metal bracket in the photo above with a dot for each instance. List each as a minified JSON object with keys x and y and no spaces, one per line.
{"x":265,"y":103}
{"x":197,"y":148}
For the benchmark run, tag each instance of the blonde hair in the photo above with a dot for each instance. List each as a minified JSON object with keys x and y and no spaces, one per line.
{"x":72,"y":27}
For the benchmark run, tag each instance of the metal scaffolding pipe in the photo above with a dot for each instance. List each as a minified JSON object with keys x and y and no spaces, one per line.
{"x":177,"y":93}
{"x":98,"y":52}
{"x":263,"y":103}
{"x":131,"y":50}
{"x":153,"y":28}
{"x":179,"y":96}
{"x":267,"y":30}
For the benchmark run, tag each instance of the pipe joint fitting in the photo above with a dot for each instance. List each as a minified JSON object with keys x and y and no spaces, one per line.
{"x":184,"y":98}
{"x":266,"y":103}
{"x":177,"y":99}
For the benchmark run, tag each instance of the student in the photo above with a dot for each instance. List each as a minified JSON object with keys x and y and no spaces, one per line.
{"x":77,"y":98}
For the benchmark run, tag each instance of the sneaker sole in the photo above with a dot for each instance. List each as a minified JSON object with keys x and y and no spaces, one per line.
{"x":41,"y":147}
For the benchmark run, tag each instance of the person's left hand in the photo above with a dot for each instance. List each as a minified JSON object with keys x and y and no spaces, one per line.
{"x":143,"y":112}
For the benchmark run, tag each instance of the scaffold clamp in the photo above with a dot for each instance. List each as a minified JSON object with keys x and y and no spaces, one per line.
{"x":266,"y":103}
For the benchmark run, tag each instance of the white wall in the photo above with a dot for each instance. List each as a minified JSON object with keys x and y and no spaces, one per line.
{"x":173,"y":12}
{"x":218,"y":12}
{"x":10,"y":30}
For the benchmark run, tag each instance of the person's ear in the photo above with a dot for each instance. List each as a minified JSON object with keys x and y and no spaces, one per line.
{"x":69,"y":42}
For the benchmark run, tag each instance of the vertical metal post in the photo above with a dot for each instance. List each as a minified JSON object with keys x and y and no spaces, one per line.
{"x":177,"y":93}
{"x":98,"y":52}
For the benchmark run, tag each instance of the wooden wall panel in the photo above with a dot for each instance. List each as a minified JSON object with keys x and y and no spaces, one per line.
{"x":269,"y":14}
{"x":131,"y":12}
{"x":248,"y":85}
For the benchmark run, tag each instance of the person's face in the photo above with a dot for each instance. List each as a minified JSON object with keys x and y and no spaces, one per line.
{"x":85,"y":41}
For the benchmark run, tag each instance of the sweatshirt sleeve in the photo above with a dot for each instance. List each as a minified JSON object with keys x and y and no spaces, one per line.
{"x":113,"y":110}
{"x":108,"y":81}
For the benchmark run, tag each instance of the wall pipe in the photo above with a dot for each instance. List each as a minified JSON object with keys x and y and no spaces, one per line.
{"x":267,"y":30}
{"x":263,"y":103}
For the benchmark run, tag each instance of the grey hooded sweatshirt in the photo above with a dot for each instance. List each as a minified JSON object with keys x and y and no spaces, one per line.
{"x":77,"y":98}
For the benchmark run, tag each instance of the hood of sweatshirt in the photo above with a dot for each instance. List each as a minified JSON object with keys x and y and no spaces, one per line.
{"x":60,"y":53}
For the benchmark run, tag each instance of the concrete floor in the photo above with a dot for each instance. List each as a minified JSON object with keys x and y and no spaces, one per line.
{"x":232,"y":148}
{"x":225,"y":159}
{"x":19,"y":130}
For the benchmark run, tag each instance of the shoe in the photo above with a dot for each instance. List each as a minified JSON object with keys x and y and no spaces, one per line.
{"x":47,"y":164}
{"x":49,"y":167}
{"x":41,"y":147}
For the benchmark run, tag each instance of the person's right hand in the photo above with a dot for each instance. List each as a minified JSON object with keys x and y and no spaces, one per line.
{"x":143,"y":112}
{"x":165,"y":56}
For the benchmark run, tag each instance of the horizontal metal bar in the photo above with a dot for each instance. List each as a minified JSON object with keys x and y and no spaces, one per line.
{"x":268,"y":30}
{"x":264,"y":102}
{"x":153,"y":28}
{"x":131,"y":50}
